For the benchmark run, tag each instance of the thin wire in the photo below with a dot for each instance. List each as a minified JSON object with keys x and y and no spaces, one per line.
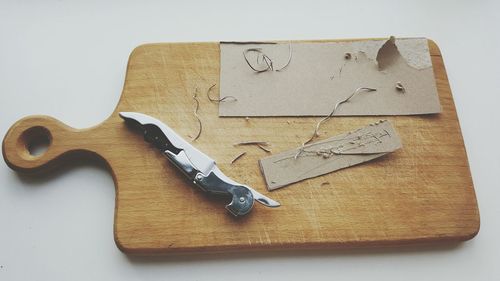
{"x":226,"y":98}
{"x":262,"y":56}
{"x":315,"y":134}
{"x":316,"y":129}
{"x":289,"y":56}
{"x":200,"y":126}
{"x":341,"y":68}
{"x":259,"y":51}
{"x":269,"y":62}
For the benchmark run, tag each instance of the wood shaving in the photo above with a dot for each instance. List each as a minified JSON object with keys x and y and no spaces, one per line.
{"x":200,"y":126}
{"x":260,"y":144}
{"x":264,"y":143}
{"x":264,"y":148}
{"x":238,"y":157}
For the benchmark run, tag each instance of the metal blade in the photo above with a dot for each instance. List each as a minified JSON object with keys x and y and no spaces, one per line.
{"x":200,"y":160}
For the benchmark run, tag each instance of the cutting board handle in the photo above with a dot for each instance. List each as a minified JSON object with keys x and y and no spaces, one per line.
{"x":39,"y":142}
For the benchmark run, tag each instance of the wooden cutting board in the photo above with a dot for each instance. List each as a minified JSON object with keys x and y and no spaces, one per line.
{"x":422,"y":193}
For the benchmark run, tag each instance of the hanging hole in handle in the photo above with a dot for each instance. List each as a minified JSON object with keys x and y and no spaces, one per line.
{"x":34,"y":142}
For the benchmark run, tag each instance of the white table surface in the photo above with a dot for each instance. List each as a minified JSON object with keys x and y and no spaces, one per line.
{"x":68,"y":60}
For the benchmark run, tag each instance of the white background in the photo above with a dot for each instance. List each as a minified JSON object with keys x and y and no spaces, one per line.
{"x":68,"y":60}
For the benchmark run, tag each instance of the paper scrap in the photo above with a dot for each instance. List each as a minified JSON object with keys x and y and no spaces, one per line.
{"x":388,"y":54}
{"x":320,"y":74}
{"x":415,"y":51}
{"x":329,"y":155}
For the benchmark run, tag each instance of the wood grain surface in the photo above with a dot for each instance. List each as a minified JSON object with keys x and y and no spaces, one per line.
{"x":421,"y":193}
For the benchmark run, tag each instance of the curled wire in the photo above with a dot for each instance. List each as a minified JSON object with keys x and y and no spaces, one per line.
{"x":326,"y":118}
{"x":289,"y":57}
{"x":264,"y":58}
{"x":223,"y":99}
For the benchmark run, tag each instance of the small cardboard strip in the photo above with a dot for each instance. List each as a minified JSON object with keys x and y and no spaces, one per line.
{"x":329,"y":155}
